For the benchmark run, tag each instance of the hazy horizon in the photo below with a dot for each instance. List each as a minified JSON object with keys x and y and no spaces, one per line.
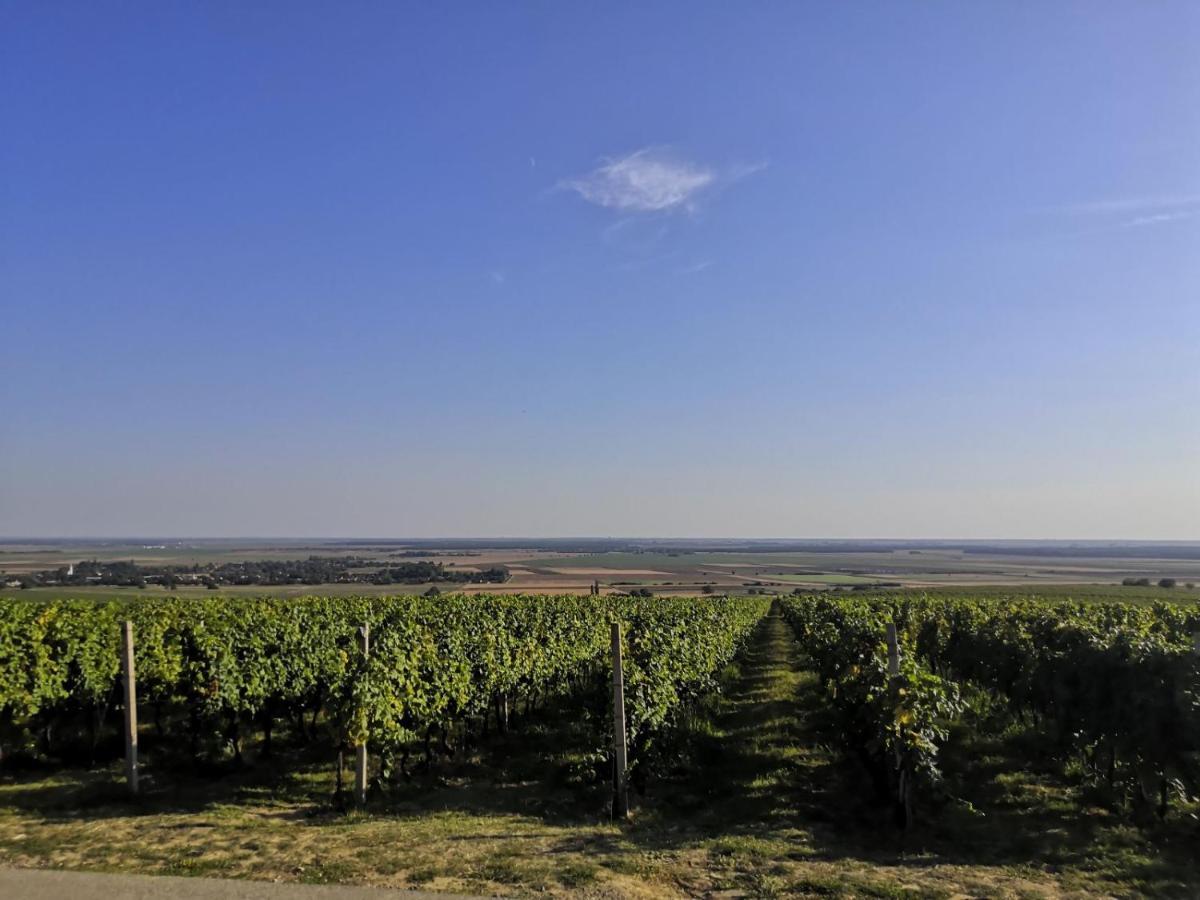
{"x":828,"y":270}
{"x":566,"y":538}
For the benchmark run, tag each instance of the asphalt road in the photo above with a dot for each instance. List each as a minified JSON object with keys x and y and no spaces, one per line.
{"x":49,"y":884}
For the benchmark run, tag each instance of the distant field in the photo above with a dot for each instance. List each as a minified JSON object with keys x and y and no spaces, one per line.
{"x":658,"y":561}
{"x":916,"y":569}
{"x":1086,"y":592}
{"x":556,"y":567}
{"x":818,"y":579}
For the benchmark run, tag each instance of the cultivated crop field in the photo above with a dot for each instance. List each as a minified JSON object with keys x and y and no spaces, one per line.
{"x":852,"y":744}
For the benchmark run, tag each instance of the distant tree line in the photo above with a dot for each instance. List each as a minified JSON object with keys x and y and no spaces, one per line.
{"x":315,"y":570}
{"x":1145,"y":582}
{"x":421,"y":572}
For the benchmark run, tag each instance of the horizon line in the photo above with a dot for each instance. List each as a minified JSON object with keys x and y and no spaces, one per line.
{"x":585,"y":537}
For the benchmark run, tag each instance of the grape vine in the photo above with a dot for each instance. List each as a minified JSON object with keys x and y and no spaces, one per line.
{"x":211,"y":671}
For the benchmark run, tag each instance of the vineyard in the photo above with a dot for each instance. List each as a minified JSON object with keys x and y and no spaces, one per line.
{"x":1056,"y":737}
{"x":440,"y":670}
{"x":1116,"y":687}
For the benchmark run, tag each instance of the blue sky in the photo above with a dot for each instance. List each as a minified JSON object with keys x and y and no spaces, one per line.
{"x":770,"y":269}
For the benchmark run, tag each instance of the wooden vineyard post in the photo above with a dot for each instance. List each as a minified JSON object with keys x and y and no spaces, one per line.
{"x":360,"y":751}
{"x":129,"y":692}
{"x":620,"y":781}
{"x":893,"y":650}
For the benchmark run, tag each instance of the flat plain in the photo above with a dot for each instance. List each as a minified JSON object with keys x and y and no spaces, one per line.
{"x":681,"y":567}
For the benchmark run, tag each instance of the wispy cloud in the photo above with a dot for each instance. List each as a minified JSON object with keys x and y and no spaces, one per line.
{"x":1116,"y":213}
{"x":1160,"y":218}
{"x":497,"y":276}
{"x":649,"y":180}
{"x":1149,"y":205}
{"x":696,"y":267}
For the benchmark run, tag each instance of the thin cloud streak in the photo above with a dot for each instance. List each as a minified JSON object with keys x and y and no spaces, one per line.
{"x":648,"y":180}
{"x":1130,"y":205}
{"x":1159,"y":218}
{"x":1121,"y":213}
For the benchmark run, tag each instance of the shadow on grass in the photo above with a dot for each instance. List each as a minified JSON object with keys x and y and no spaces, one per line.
{"x":539,"y":769}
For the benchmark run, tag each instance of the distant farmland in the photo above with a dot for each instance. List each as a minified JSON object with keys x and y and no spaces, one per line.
{"x":560,"y":566}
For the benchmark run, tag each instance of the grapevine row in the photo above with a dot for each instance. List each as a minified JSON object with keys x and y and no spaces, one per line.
{"x":1114,"y":685}
{"x":211,"y":670}
{"x":894,"y":720}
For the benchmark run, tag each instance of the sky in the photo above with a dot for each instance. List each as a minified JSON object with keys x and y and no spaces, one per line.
{"x":668,"y":269}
